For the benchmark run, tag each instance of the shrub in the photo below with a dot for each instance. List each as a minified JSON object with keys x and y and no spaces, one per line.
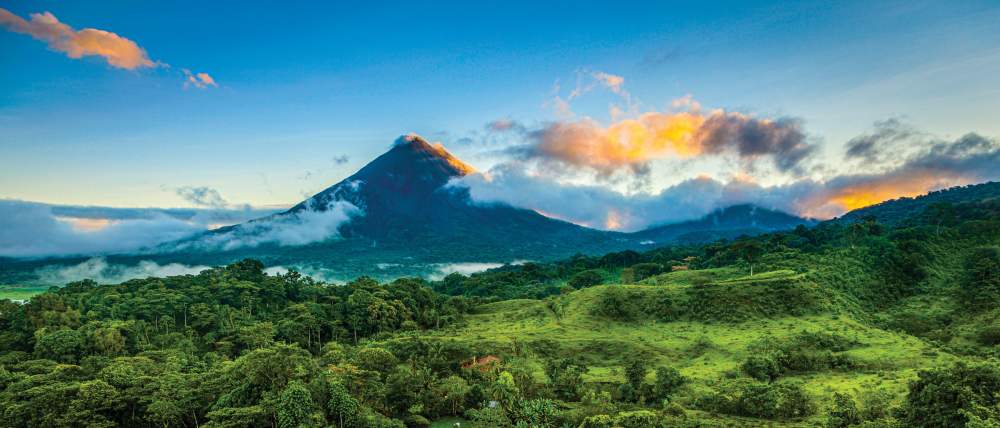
{"x":762,"y":367}
{"x":742,"y":397}
{"x":587,"y":278}
{"x":633,"y":419}
{"x":989,"y":335}
{"x":844,"y":412}
{"x":806,"y":352}
{"x":668,"y":380}
{"x":614,"y":303}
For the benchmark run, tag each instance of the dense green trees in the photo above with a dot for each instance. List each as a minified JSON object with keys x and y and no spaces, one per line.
{"x":981,"y":282}
{"x":228,"y":347}
{"x":954,"y":397}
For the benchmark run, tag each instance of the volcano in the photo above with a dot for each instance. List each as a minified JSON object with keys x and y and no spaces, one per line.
{"x":400,"y":210}
{"x":405,"y":194}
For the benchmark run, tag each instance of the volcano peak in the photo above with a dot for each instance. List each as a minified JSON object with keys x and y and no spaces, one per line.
{"x":421,"y":148}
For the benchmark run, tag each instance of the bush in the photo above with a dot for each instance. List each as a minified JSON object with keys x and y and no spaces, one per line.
{"x":668,"y":380}
{"x":633,"y":419}
{"x":587,"y":278}
{"x":762,"y":367}
{"x":989,"y":335}
{"x":565,"y":377}
{"x":844,"y":412}
{"x":641,"y":271}
{"x":806,"y":352}
{"x":615,"y":304}
{"x":742,"y":397}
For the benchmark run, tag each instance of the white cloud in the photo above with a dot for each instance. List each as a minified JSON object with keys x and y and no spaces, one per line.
{"x":296,"y":228}
{"x":317,"y":273}
{"x":30,"y":229}
{"x":442,"y":270}
{"x":98,"y":269}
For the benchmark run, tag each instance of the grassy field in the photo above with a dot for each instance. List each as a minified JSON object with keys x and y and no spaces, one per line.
{"x":19,"y":293}
{"x":704,"y":351}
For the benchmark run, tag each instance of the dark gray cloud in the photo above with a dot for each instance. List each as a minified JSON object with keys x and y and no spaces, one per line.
{"x":887,"y":136}
{"x":783,"y":139}
{"x":970,"y":154}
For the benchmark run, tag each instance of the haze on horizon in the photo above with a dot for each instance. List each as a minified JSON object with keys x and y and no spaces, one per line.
{"x":614,"y":119}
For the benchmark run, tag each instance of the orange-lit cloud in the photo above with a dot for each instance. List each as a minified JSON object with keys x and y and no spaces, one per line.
{"x":198,"y":80}
{"x":844,"y":194}
{"x":625,"y":143}
{"x":613,"y":221}
{"x":116,"y":50}
{"x":86,"y":224}
{"x":632,"y":143}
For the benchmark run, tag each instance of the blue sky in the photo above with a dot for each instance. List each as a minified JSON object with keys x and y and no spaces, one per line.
{"x":301,"y":85}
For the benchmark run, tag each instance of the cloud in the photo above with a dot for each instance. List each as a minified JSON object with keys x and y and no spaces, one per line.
{"x":659,"y":57}
{"x":932,"y":165}
{"x":750,"y":138}
{"x":613,"y":82}
{"x":202,"y":196}
{"x":505,"y":125}
{"x":198,"y":80}
{"x":30,"y":229}
{"x":317,"y":273}
{"x":284,"y":229}
{"x":98,"y":269}
{"x":442,"y":270}
{"x":597,"y":206}
{"x":116,"y":50}
{"x":886,"y":138}
{"x":631,"y":144}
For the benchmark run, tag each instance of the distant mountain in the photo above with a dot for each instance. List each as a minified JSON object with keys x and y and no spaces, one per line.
{"x":896,"y":210}
{"x":728,"y":222}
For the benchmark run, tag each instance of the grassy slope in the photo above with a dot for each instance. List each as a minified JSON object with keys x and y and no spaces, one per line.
{"x":702,"y":351}
{"x":20,"y":292}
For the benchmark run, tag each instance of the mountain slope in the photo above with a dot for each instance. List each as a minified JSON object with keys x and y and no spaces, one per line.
{"x":896,"y":210}
{"x":728,"y":222}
